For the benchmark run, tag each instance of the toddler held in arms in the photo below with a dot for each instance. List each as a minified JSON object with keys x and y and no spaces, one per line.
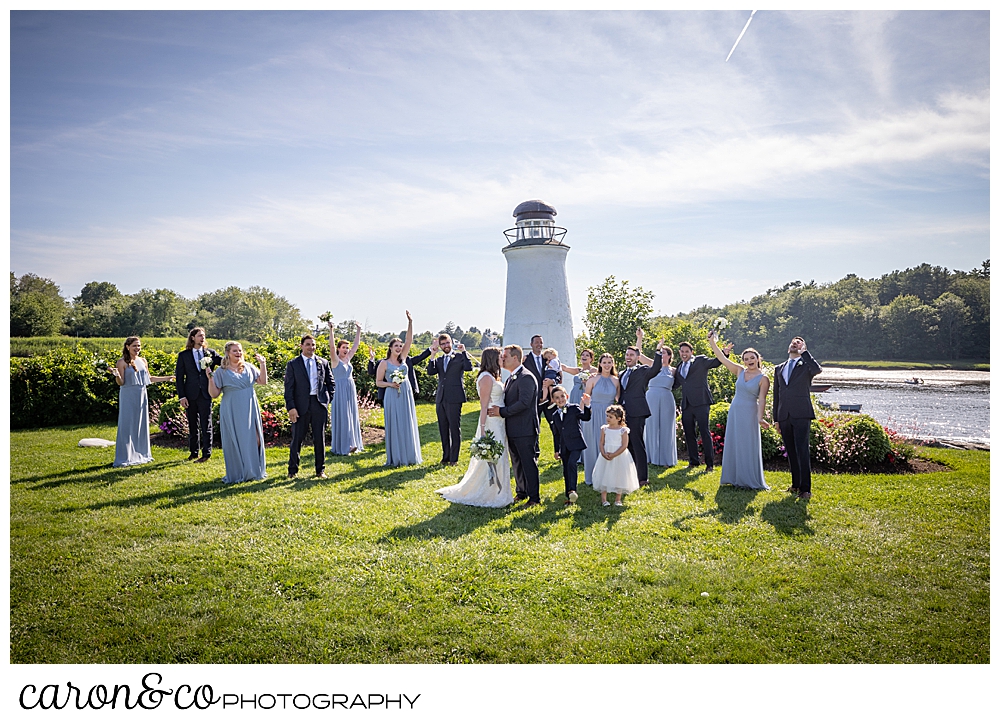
{"x":552,"y":373}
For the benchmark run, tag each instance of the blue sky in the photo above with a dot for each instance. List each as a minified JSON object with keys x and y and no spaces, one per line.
{"x":368,"y":162}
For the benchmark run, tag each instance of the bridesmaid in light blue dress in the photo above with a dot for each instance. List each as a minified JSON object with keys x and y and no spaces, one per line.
{"x":661,"y":425}
{"x":603,"y":389}
{"x":239,"y":414}
{"x":402,"y":436}
{"x":132,"y":375}
{"x":586,"y":368}
{"x":345,"y":421}
{"x":742,"y":463}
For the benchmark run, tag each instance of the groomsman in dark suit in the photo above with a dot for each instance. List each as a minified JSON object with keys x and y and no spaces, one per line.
{"x":192,"y":389}
{"x":634,"y":380}
{"x":308,"y":390}
{"x":696,"y":399}
{"x":450,"y":369}
{"x":793,"y":412}
{"x":535,"y":366}
{"x":570,"y":419}
{"x":520,"y":413}
{"x":411,"y":362}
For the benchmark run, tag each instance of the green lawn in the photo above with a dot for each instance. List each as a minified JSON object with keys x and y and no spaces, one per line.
{"x":981,"y":365}
{"x":164,"y":563}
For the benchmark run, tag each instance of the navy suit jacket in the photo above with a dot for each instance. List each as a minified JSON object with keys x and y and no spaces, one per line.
{"x":451,"y":383}
{"x":520,"y":399}
{"x":297,"y":384}
{"x":633,"y":397}
{"x":792,"y":399}
{"x":571,"y":427}
{"x":410,"y":363}
{"x":694,"y":387}
{"x":189,"y":380}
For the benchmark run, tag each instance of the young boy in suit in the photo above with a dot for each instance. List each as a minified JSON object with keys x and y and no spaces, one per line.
{"x":569,"y":419}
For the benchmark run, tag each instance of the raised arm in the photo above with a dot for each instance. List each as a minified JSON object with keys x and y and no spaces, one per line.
{"x":262,"y":375}
{"x":334,"y":357}
{"x":357,"y":341}
{"x":409,"y":336}
{"x":723,"y":357}
{"x":571,"y":370}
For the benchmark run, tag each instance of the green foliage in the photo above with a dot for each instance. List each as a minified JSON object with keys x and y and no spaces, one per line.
{"x":36,"y":307}
{"x":920,"y":313}
{"x":31,"y":346}
{"x":614,"y":312}
{"x":770,"y":443}
{"x":255,"y":313}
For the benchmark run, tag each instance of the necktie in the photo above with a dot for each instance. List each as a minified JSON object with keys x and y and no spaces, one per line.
{"x":446,"y":358}
{"x":684,"y":372}
{"x":625,"y":377}
{"x":788,"y":370}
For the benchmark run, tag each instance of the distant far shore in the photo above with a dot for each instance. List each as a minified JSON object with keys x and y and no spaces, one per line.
{"x":979,"y":365}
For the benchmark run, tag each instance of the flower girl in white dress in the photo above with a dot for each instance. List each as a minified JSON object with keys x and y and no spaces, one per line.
{"x":614,"y":471}
{"x":486,"y":484}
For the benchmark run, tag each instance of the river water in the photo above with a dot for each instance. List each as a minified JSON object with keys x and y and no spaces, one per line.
{"x":949,"y":405}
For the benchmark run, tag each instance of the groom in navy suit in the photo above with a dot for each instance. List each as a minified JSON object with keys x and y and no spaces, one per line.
{"x":793,"y":412}
{"x":696,"y":402}
{"x":520,"y":413}
{"x":450,"y":370}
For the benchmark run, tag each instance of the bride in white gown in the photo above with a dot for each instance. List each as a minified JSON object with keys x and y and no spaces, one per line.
{"x":477,"y":488}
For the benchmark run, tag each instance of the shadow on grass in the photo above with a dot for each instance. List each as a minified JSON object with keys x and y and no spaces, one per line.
{"x":732,"y":505}
{"x":789,"y":516}
{"x":454,"y":522}
{"x":103,"y":474}
{"x":678,"y":480}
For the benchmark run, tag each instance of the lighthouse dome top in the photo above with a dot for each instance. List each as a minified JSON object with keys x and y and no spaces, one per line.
{"x":534,"y":209}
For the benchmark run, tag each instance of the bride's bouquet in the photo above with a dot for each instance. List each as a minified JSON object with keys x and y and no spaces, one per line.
{"x":399,"y":377}
{"x":720,"y":324}
{"x":585,"y":375}
{"x":326,"y":317}
{"x":489,"y":449}
{"x":205,"y":363}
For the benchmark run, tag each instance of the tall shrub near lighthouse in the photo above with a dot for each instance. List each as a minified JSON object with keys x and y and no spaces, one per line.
{"x":537,"y":288}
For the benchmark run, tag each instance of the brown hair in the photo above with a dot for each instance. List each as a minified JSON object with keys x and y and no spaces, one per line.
{"x":305,"y":337}
{"x":225,"y":359}
{"x":669,"y":352}
{"x":751,"y":349}
{"x":551,"y":352}
{"x":515,"y":350}
{"x":490,"y":361}
{"x":443,"y":336}
{"x":616,"y":411}
{"x":614,"y":369}
{"x":388,"y":350}
{"x":587,"y":351}
{"x":191,"y":336}
{"x":558,"y":388}
{"x":126,"y":354}
{"x":686,"y":344}
{"x":633,"y":348}
{"x":799,"y":338}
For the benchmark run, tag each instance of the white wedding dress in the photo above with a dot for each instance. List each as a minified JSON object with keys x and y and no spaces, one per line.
{"x":478,"y":487}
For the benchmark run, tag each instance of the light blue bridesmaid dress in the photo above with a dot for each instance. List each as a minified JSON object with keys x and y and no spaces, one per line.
{"x":345,"y":422}
{"x":240,"y":424}
{"x":602,"y":395}
{"x":402,"y":437}
{"x":132,"y":442}
{"x":742,"y":464}
{"x":661,"y":425}
{"x":576,"y":393}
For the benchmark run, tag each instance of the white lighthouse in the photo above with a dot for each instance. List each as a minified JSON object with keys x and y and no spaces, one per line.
{"x":537,"y":290}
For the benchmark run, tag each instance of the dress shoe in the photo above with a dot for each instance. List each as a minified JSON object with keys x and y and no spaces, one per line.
{"x":793,"y":491}
{"x":321,"y":475}
{"x":292,"y":475}
{"x":709,"y":468}
{"x":519,"y":497}
{"x":531,"y":503}
{"x":692,"y":466}
{"x":643,"y":483}
{"x":203,"y":459}
{"x":193,"y":456}
{"x":806,"y":495}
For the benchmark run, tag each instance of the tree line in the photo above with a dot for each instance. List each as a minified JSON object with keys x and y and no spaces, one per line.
{"x":38,"y":309}
{"x":920,"y":313}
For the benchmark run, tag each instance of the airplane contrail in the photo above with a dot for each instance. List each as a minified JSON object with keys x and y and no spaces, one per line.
{"x":752,"y":13}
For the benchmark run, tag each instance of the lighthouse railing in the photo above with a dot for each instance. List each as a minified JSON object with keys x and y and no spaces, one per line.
{"x":535,"y":234}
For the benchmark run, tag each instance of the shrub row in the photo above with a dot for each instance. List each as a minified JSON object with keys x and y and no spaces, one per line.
{"x":72,"y":385}
{"x":836,"y":440}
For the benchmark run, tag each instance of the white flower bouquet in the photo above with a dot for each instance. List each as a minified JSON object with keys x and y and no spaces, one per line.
{"x":489,"y":449}
{"x":720,"y":324}
{"x":585,"y":375}
{"x":399,"y":377}
{"x":205,"y":363}
{"x":326,"y":317}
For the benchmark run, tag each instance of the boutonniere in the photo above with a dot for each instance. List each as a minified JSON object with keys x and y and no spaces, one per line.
{"x":798,"y":362}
